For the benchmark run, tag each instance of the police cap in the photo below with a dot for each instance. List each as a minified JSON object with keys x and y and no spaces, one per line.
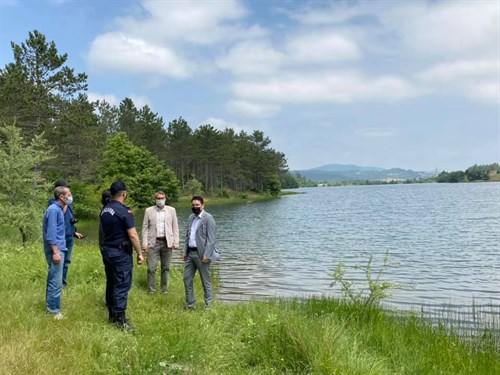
{"x":116,"y":187}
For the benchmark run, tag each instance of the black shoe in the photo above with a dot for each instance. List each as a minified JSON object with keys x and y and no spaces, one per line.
{"x":123,"y":323}
{"x":111,"y":315}
{"x":125,"y":326}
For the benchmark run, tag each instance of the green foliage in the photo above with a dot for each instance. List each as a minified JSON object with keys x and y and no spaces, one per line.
{"x":142,"y":172}
{"x":79,"y":139}
{"x":480,"y":172}
{"x":304,"y":182}
{"x":223,"y":194}
{"x":306,"y":336}
{"x":473,"y":173}
{"x":456,"y":176}
{"x":43,"y":94}
{"x":288,"y":181}
{"x":87,"y":199}
{"x":376,"y":289}
{"x":33,"y":86}
{"x":22,"y":189}
{"x":272,"y":185}
{"x":193,"y":187}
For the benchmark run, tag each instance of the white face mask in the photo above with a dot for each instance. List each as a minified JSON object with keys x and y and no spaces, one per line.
{"x":69,"y":200}
{"x":160,"y":202}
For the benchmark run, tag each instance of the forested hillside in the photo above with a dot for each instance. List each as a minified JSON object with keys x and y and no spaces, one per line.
{"x":96,"y":142}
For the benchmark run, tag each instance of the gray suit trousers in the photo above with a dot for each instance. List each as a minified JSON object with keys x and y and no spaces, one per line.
{"x":193,"y":263}
{"x":160,"y":252}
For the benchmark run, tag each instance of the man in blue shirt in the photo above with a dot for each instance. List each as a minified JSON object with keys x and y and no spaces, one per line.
{"x":54,"y":243}
{"x":70,"y":231}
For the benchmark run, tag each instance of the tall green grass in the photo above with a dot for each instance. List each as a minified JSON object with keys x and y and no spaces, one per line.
{"x":315,"y":336}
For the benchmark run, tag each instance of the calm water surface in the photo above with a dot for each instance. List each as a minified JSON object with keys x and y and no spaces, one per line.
{"x":445,"y":237}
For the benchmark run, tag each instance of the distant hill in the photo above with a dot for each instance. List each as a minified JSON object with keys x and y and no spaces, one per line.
{"x":350,"y":172}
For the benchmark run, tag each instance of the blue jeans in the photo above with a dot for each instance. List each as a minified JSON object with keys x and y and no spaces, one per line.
{"x":118,"y":266}
{"x":54,"y":283}
{"x":70,"y":241}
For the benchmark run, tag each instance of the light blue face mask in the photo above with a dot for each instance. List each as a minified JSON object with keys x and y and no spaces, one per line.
{"x":69,"y":200}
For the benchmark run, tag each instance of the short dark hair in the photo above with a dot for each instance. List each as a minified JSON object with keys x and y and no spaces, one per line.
{"x":106,"y":197}
{"x":197,"y":198}
{"x":61,"y":183}
{"x":58,"y":191}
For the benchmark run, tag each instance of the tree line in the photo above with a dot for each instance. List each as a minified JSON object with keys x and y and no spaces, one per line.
{"x":40,"y":94}
{"x":473,"y":173}
{"x":44,"y":108}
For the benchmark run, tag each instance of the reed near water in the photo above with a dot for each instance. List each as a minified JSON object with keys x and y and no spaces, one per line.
{"x":312,"y":336}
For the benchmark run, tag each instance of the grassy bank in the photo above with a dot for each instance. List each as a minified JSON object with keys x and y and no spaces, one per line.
{"x":309,"y":337}
{"x":232,"y":198}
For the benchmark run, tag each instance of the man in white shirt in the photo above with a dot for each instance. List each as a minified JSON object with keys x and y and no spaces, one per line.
{"x":160,"y":235}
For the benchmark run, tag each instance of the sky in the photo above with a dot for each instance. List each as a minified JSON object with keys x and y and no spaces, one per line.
{"x":409,"y":84}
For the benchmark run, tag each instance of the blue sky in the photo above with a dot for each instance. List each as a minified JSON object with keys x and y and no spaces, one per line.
{"x":410,"y":84}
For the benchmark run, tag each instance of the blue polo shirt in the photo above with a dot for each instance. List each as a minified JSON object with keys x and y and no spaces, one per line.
{"x":54,"y":228}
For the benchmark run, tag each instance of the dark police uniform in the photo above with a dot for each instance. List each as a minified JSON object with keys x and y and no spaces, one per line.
{"x":115,"y":219}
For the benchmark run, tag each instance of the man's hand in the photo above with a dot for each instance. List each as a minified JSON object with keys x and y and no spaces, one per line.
{"x":205,"y":260}
{"x":174,"y":247}
{"x":145,"y":248}
{"x":140,"y":259}
{"x":56,"y":257}
{"x":78,"y":235}
{"x":184,"y":257}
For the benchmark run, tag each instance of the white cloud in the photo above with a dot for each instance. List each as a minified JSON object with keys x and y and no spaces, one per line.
{"x":487,"y":92}
{"x":222,"y":124}
{"x":252,"y":109}
{"x":199,"y":22}
{"x":322,"y":47}
{"x":296,"y":63}
{"x":327,"y":15}
{"x":476,"y":79}
{"x":338,"y":87}
{"x":139,"y":100}
{"x":420,"y":27}
{"x":462,"y":69}
{"x":124,"y":53}
{"x":110,"y":98}
{"x":375,"y":132}
{"x":441,"y":28}
{"x":251,"y":57}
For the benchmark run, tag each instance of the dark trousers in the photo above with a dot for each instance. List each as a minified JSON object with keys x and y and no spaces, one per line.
{"x":118,"y":266}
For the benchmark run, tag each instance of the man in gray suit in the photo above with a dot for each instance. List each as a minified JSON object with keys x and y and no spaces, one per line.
{"x":199,"y":251}
{"x":160,"y":235}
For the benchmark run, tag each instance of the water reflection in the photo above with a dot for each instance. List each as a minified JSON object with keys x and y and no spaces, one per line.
{"x":445,"y":237}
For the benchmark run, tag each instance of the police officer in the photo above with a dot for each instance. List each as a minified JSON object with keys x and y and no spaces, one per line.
{"x":120,"y":237}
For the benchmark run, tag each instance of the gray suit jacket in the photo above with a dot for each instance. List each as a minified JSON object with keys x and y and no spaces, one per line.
{"x":205,"y":236}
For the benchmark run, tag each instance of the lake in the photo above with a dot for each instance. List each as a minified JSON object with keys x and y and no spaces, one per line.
{"x":445,"y":238}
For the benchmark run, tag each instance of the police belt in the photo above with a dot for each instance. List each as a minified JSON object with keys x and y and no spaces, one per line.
{"x":123,"y":246}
